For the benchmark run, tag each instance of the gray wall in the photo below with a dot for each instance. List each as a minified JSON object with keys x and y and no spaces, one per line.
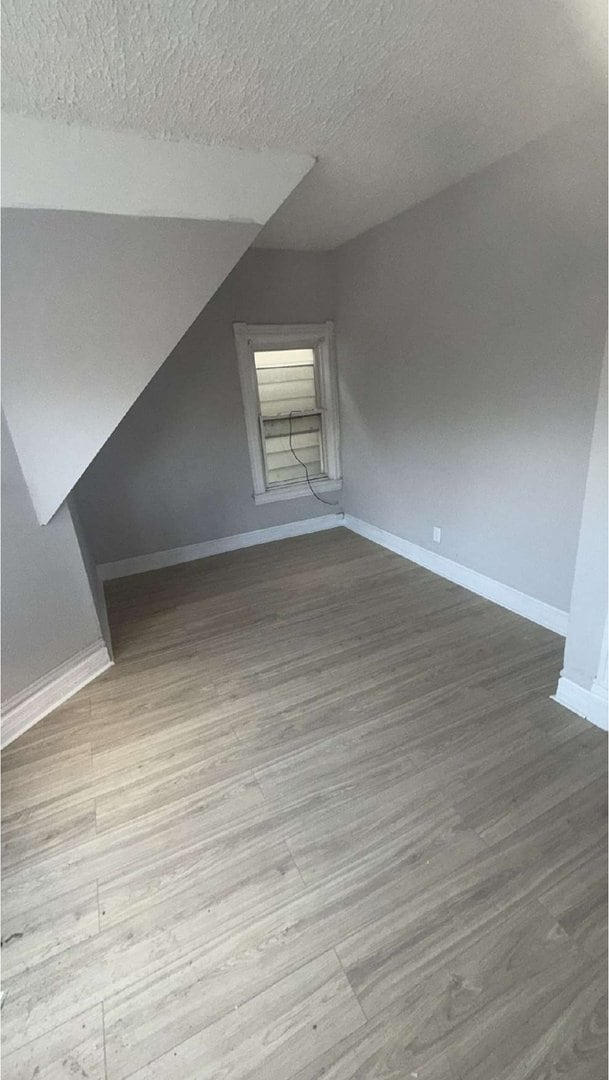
{"x":92,"y":304}
{"x":471,"y":332}
{"x":48,"y":614}
{"x":176,"y":471}
{"x":588,"y":613}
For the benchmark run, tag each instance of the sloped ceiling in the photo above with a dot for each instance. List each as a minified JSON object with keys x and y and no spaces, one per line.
{"x":50,"y":164}
{"x":92,"y":306}
{"x":94,"y":302}
{"x":397,"y":98}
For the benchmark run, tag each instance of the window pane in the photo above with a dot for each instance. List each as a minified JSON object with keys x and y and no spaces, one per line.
{"x":281,"y":462}
{"x":286,"y":381}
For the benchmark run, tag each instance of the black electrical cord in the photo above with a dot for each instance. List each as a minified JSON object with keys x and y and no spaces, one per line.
{"x":312,"y":489}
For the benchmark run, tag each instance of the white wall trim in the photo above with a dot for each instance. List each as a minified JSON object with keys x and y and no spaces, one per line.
{"x":520,"y":603}
{"x":141,"y":564}
{"x":592,"y":704}
{"x":54,"y":165}
{"x":29,"y":706}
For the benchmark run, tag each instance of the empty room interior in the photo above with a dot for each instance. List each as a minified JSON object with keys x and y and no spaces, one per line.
{"x":304,"y":540}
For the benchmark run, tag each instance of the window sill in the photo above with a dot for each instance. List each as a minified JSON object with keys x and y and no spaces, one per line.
{"x":297,"y":491}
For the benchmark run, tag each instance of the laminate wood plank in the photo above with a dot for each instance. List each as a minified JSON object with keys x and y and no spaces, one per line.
{"x":467,"y":728}
{"x":272,"y":1034}
{"x":458,"y":758}
{"x":351,"y":658}
{"x":222,"y":866}
{"x":495,"y":986}
{"x":536,"y":856}
{"x":191,"y":769}
{"x":35,"y":935}
{"x":385,"y":957}
{"x":266,"y":947}
{"x":376,"y":752}
{"x":271,"y":730}
{"x":545,"y":851}
{"x":403,"y":822}
{"x":307,"y":751}
{"x":383,"y":789}
{"x":173,"y":739}
{"x":137,"y":698}
{"x":578,"y":900}
{"x":58,"y":988}
{"x":30,"y":835}
{"x":403,"y":838}
{"x":39,"y":782}
{"x":513,"y":793}
{"x":402,"y":1043}
{"x":72,"y":1051}
{"x":522,"y":1002}
{"x":223,"y":808}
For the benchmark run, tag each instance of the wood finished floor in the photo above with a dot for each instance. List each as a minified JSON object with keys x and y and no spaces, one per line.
{"x":320,"y":820}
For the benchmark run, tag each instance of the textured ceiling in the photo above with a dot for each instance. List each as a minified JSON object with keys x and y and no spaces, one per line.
{"x":397,"y":98}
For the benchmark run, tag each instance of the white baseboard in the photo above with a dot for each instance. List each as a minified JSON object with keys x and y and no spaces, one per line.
{"x":522,"y":604}
{"x":140,"y":564}
{"x":592,"y":704}
{"x":527,"y":606}
{"x":25,"y":709}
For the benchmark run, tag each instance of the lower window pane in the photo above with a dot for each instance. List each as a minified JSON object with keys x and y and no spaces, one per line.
{"x":284,"y":454}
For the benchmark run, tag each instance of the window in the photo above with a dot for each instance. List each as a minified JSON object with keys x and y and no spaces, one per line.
{"x":290,"y":398}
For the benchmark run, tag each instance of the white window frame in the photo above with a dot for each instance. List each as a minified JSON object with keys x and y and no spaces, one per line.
{"x":319,"y":337}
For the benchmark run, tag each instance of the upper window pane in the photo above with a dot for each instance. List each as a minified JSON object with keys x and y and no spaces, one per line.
{"x":286,"y":381}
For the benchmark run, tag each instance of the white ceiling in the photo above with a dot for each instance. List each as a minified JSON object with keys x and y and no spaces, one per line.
{"x":397,"y":98}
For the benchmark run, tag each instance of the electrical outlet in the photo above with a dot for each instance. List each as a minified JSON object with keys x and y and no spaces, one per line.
{"x":437,"y":534}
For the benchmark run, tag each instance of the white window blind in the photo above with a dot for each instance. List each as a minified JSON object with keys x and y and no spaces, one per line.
{"x":281,"y":452}
{"x":287,"y":386}
{"x":286,"y":381}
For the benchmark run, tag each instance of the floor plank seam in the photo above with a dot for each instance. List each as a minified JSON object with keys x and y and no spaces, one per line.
{"x":103,"y":1012}
{"x":367,"y":1018}
{"x":296,"y":866}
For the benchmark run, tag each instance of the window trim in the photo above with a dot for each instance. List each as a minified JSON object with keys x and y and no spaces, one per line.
{"x":250,"y":338}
